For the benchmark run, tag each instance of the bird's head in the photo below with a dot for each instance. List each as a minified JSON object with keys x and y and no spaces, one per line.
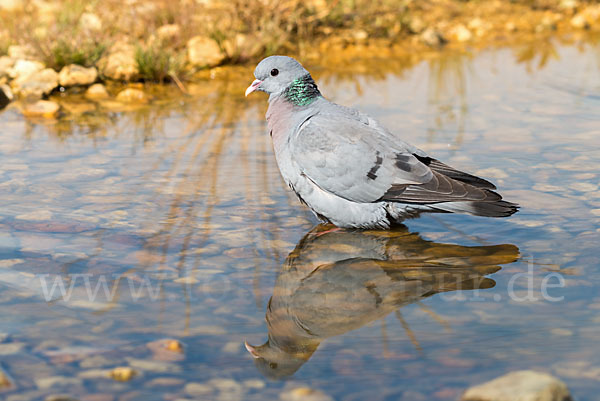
{"x":274,"y":362}
{"x":276,"y":73}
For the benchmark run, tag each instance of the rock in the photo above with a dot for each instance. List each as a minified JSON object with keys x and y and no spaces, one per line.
{"x":6,"y":64}
{"x":57,"y":381}
{"x":21,"y":52}
{"x":579,"y":21}
{"x":11,"y":5}
{"x":524,"y":385}
{"x":97,"y":91}
{"x":416,"y":25}
{"x":122,"y":373}
{"x":197,"y":389}
{"x":360,"y":35}
{"x":304,"y":394}
{"x":60,"y":397}
{"x":204,"y":52}
{"x":72,"y":75}
{"x":5,"y":381}
{"x":131,"y":95}
{"x":432,"y":37}
{"x":41,"y":108}
{"x":22,"y":68}
{"x":461,"y":33}
{"x":168,"y":32}
{"x":90,"y":22}
{"x":36,"y":84}
{"x":120,"y":63}
{"x":5,"y":96}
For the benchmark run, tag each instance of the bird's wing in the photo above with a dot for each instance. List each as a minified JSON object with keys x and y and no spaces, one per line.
{"x":352,"y":159}
{"x":360,"y":162}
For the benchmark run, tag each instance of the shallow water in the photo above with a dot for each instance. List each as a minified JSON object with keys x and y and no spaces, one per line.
{"x":122,"y":226}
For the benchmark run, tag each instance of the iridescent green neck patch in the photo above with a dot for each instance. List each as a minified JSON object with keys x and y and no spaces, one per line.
{"x":302,"y":91}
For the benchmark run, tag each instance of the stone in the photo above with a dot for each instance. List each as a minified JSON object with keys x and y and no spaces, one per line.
{"x":97,"y":91}
{"x":416,"y":25}
{"x":60,"y":397}
{"x":5,"y":381}
{"x":41,"y":108}
{"x":90,"y":22}
{"x":579,"y":21}
{"x":304,"y":394}
{"x":6,"y":96}
{"x":131,"y":95}
{"x":21,"y":52}
{"x":197,"y":389}
{"x":461,"y":33}
{"x":73,"y":75}
{"x":6,"y":64}
{"x":204,"y":52}
{"x":122,"y":373}
{"x":57,"y":381}
{"x":11,"y":5}
{"x":120,"y":63}
{"x":23,"y":68}
{"x":524,"y":385}
{"x":36,"y":84}
{"x":432,"y":37}
{"x":168,"y":32}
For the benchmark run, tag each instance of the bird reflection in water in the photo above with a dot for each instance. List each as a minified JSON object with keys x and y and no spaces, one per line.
{"x":336,"y":281}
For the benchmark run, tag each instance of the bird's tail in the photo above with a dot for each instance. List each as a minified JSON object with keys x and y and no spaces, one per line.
{"x":498,"y":208}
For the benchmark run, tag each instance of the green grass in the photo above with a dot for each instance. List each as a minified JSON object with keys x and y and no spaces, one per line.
{"x":64,"y":52}
{"x":159,"y":64}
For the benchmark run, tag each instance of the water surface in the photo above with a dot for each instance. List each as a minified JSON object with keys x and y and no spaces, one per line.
{"x":123,"y":226}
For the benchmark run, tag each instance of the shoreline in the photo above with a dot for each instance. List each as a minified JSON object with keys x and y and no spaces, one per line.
{"x":34,"y":67}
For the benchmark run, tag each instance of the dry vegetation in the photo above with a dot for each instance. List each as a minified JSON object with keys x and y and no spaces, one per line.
{"x":62,"y":32}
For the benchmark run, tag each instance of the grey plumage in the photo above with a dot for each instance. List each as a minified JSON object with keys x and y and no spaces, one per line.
{"x":350,"y":170}
{"x":338,"y":281}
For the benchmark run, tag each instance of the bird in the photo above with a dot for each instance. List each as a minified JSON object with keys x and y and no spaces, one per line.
{"x":348,"y":168}
{"x":337,"y":281}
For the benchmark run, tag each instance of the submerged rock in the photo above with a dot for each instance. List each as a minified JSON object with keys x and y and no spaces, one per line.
{"x":131,"y":95}
{"x":72,"y":75}
{"x":120,"y":64}
{"x":524,"y":385}
{"x":41,"y":108}
{"x":5,"y":382}
{"x":204,"y":52}
{"x":304,"y":394}
{"x":97,"y":91}
{"x":122,"y":373}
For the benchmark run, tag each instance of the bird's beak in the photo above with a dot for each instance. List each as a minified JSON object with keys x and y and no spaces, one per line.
{"x":249,"y":347}
{"x":253,"y":86}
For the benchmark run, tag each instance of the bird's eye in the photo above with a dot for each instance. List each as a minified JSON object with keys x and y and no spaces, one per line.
{"x":274,"y":72}
{"x":273,"y":365}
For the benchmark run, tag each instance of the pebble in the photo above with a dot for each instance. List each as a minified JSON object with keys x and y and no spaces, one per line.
{"x":57,"y":381}
{"x":304,"y":394}
{"x":524,"y":385}
{"x":197,"y":389}
{"x":97,"y":91}
{"x":131,"y":95}
{"x":122,"y":373}
{"x":41,"y":108}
